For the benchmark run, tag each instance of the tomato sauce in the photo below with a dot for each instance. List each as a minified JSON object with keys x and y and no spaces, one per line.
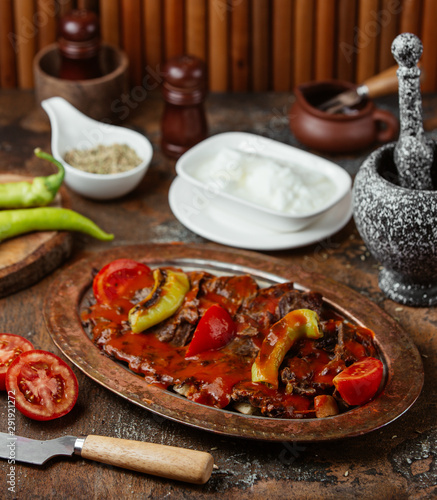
{"x":211,"y":377}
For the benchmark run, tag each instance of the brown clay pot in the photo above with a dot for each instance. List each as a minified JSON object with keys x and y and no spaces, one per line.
{"x":354,"y":130}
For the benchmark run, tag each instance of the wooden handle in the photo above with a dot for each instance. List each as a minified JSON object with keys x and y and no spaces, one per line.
{"x":430,"y":123}
{"x":171,"y":462}
{"x":382,"y":84}
{"x":386,"y":82}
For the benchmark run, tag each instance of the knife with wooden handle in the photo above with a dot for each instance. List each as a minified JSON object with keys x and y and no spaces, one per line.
{"x":170,"y":462}
{"x":376,"y":86}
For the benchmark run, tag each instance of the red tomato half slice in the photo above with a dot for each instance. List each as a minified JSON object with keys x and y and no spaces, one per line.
{"x":120,"y":279}
{"x":11,"y":346}
{"x":359,"y":382}
{"x":43,"y":385}
{"x":214,"y":330}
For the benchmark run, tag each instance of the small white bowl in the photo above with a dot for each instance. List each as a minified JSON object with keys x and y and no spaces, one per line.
{"x":269,"y":148}
{"x":71,"y":129}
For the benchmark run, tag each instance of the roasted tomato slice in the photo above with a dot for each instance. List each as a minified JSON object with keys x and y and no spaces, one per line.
{"x":214,"y":330}
{"x":120,"y":279}
{"x":43,"y":385}
{"x":359,"y":382}
{"x":11,"y":346}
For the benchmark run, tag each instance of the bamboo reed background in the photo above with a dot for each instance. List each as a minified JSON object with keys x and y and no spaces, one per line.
{"x":248,"y":45}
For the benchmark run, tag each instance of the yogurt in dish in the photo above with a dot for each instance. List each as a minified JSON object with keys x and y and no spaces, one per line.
{"x":268,"y":182}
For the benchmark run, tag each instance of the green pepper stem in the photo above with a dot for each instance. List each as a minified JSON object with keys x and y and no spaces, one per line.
{"x":54,"y":181}
{"x":36,"y":192}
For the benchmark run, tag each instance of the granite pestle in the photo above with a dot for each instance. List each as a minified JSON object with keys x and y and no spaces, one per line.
{"x":413,"y":154}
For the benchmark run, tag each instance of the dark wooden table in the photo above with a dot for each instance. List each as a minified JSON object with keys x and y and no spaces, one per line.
{"x":397,"y":461}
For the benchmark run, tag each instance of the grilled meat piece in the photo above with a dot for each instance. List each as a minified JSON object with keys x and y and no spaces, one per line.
{"x":300,"y":300}
{"x":179,"y":328}
{"x":270,"y":402}
{"x":229,"y":291}
{"x":310,"y":366}
{"x":329,"y":340}
{"x":307,"y":382}
{"x":244,"y":348}
{"x":273,"y":303}
{"x":297,"y":376}
{"x":354,"y":343}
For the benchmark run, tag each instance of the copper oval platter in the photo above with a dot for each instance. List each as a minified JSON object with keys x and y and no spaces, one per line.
{"x":403,"y":366}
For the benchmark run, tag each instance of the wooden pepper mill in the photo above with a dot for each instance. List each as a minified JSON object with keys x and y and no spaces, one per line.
{"x":79,"y":45}
{"x":184,"y":90}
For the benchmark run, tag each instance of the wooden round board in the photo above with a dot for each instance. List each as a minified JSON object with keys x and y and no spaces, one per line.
{"x":26,"y":259}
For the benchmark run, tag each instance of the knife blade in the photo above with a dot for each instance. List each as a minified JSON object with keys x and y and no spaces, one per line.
{"x":171,"y":462}
{"x":382,"y":84}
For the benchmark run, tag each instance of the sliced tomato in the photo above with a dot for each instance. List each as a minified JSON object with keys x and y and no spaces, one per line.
{"x":11,"y":346}
{"x":120,"y":279}
{"x":359,"y":382}
{"x":214,"y":330}
{"x":43,"y":385}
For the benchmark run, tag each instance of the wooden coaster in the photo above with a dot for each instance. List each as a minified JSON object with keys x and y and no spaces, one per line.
{"x":26,"y":259}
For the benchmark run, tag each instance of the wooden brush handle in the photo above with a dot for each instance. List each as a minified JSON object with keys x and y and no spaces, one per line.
{"x":382,"y":84}
{"x":171,"y":462}
{"x":386,"y":82}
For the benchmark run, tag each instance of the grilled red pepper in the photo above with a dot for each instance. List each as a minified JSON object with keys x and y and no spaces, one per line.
{"x":214,"y":330}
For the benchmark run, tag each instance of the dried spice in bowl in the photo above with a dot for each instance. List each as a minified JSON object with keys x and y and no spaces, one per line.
{"x":102,"y":159}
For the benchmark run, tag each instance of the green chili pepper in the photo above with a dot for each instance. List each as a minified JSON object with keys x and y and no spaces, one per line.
{"x":26,"y":220}
{"x":164,"y":300}
{"x":282,"y":335}
{"x":39,"y":192}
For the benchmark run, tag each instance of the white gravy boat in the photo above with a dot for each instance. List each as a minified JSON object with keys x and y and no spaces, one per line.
{"x":71,"y":129}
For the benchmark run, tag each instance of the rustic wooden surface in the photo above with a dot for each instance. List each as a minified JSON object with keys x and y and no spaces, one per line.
{"x":398,"y":461}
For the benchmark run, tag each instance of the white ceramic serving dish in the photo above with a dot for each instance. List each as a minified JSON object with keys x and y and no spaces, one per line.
{"x":71,"y":129}
{"x":262,"y":146}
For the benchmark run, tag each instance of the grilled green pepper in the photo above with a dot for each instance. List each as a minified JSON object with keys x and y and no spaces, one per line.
{"x":26,"y":220}
{"x":37,"y":193}
{"x":281,"y":337}
{"x":167,"y":295}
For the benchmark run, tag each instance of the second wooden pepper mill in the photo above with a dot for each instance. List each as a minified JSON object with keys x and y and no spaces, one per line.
{"x":184,"y":89}
{"x":79,"y":45}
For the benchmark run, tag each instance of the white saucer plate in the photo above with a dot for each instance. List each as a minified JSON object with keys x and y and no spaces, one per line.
{"x":225,"y":149}
{"x":196,"y":210}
